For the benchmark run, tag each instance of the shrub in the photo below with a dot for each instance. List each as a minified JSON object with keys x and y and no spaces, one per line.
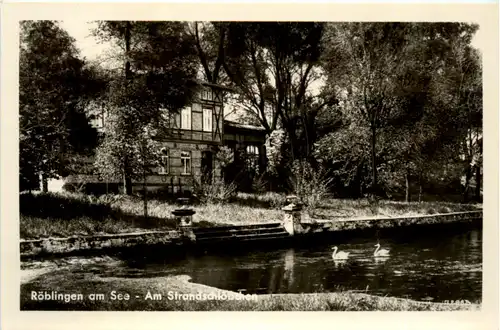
{"x":214,"y":192}
{"x":310,"y":185}
{"x":62,"y":206}
{"x":259,"y":184}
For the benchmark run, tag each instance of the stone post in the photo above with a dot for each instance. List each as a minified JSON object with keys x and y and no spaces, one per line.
{"x":292,"y":219}
{"x":292,"y":199}
{"x":184,"y":218}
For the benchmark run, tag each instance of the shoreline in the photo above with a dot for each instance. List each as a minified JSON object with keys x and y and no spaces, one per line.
{"x":193,"y":237}
{"x":176,"y":293}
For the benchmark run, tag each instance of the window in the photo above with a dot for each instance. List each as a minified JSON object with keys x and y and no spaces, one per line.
{"x":206,"y":94}
{"x":186,"y":162}
{"x":252,"y":157}
{"x":164,"y":168}
{"x":186,"y":118}
{"x":207,"y":119}
{"x":252,"y":150}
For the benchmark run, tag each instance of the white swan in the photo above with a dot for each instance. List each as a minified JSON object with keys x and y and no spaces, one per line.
{"x":380,"y":252}
{"x":339,"y":255}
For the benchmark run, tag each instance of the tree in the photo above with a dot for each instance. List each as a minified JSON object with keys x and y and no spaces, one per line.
{"x":458,"y":90}
{"x":272,"y":66}
{"x":156,"y":80}
{"x":55,"y":86}
{"x":386,"y":76}
{"x":363,"y":60}
{"x":211,"y":42}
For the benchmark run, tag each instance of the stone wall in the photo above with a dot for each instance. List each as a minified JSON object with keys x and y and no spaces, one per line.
{"x":182,"y":236}
{"x":382,"y":223}
{"x":81,"y":243}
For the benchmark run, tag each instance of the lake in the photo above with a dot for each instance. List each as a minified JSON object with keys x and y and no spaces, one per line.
{"x":440,"y":265}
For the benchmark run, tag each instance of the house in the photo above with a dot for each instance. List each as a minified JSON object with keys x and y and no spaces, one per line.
{"x":189,"y":148}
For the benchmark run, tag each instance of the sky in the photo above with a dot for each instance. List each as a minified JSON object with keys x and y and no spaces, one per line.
{"x":91,"y":48}
{"x":85,"y":42}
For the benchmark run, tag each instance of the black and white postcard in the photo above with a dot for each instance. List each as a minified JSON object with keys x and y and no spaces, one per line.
{"x":250,"y":158}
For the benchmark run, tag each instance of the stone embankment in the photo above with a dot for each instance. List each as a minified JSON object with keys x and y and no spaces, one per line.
{"x":187,"y":234}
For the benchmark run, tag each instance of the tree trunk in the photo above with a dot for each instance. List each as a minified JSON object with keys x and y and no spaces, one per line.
{"x":407,"y":181}
{"x":468,"y":176}
{"x":420,"y":189}
{"x":478,"y":184}
{"x":374,"y":163}
{"x":127,"y":184}
{"x":44,"y":183}
{"x":127,"y":49}
{"x":145,"y":192}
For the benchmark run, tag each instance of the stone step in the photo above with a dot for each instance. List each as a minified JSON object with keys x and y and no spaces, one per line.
{"x":238,"y":231}
{"x":244,"y":237}
{"x":225,"y":228}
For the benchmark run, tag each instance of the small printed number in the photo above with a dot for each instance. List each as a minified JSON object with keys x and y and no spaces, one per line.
{"x":462,"y":302}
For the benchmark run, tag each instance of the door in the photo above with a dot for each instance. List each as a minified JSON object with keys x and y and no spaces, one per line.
{"x":206,"y":166}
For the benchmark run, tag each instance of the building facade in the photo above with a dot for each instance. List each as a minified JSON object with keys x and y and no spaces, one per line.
{"x":188,"y":149}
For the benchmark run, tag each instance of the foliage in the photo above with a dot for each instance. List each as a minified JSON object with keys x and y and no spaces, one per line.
{"x":217,"y":191}
{"x":272,"y":65}
{"x":309,"y":184}
{"x":141,"y":153}
{"x":159,"y":72}
{"x":259,"y":183}
{"x":55,"y":86}
{"x":274,"y":143}
{"x":393,"y":84}
{"x":224,"y":156}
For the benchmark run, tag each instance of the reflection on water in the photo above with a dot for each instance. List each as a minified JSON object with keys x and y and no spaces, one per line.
{"x":436,"y":266}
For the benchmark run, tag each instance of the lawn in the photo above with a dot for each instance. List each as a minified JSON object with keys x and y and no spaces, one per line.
{"x":66,"y":214}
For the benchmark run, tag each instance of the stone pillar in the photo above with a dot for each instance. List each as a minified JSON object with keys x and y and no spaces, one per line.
{"x":292,"y":219}
{"x":292,"y":199}
{"x":183,"y":217}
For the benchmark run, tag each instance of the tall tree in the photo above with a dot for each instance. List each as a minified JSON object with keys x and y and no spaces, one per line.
{"x":274,"y":66}
{"x":386,"y":75}
{"x":159,"y":68}
{"x":211,"y":42}
{"x":458,"y":91}
{"x":55,"y":86}
{"x":367,"y":56}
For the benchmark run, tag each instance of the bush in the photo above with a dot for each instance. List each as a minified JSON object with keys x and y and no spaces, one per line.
{"x":215,"y":192}
{"x":62,"y":206}
{"x":310,"y":185}
{"x":259,"y":184}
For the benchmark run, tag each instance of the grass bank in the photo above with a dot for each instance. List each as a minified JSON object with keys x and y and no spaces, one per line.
{"x":164,"y":290}
{"x":65,"y":214}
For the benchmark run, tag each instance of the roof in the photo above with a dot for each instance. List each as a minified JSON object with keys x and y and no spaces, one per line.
{"x":204,"y":83}
{"x":244,"y":126}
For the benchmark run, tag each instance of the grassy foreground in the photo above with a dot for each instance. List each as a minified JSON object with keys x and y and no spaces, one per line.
{"x":66,"y":214}
{"x":177,"y":293}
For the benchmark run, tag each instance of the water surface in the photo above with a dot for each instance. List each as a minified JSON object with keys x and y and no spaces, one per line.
{"x":434,"y":266}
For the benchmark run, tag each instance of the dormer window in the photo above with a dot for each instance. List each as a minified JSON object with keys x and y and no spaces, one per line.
{"x":206,"y":94}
